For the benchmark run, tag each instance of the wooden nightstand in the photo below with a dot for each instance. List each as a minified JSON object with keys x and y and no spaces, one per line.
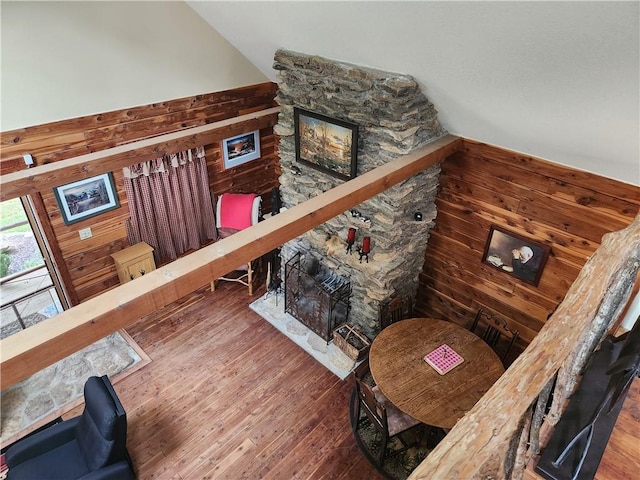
{"x":133,"y":262}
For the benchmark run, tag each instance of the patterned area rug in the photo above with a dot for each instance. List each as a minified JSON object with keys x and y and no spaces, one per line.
{"x":15,"y":327}
{"x":59,"y":387}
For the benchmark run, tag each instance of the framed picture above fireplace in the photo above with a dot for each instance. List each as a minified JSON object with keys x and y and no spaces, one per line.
{"x":326,"y":144}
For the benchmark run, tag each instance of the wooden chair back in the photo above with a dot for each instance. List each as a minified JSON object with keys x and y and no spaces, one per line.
{"x":393,"y":311}
{"x":495,"y":330}
{"x":376,"y":413}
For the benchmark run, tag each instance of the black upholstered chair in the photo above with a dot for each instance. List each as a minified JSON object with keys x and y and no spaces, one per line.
{"x":89,"y":447}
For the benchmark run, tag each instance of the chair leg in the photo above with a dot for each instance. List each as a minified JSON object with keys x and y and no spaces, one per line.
{"x":213,"y":285}
{"x":383,"y":451}
{"x":250,"y":277}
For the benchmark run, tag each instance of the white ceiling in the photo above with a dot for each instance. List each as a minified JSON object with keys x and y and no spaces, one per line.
{"x":557,"y":80}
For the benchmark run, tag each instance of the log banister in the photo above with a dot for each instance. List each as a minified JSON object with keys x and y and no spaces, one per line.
{"x":481,"y":445}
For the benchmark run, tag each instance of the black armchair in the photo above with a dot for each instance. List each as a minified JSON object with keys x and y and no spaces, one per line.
{"x":92,"y":446}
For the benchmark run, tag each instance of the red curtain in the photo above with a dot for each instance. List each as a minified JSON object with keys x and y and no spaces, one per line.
{"x":170,"y":204}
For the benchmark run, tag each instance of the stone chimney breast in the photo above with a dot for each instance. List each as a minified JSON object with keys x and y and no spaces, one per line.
{"x":394,"y":118}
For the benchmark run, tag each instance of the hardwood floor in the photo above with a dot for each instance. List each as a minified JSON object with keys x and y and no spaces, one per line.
{"x":227,"y":396}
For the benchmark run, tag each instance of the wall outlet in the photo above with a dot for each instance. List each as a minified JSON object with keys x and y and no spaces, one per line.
{"x":85,"y":233}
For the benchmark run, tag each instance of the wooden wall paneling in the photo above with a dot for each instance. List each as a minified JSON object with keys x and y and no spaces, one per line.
{"x":482,"y":185}
{"x":11,"y":165}
{"x":455,"y":289}
{"x":85,"y":265}
{"x":460,"y":229}
{"x":484,"y":213}
{"x":80,"y":266}
{"x":480,"y":193}
{"x":572,"y":219}
{"x":99,"y":285}
{"x":102,"y":276}
{"x":514,"y":182}
{"x":606,"y":204}
{"x":258,"y":176}
{"x":108,"y":230}
{"x":41,"y":146}
{"x":481,"y":230}
{"x":67,"y":138}
{"x":444,"y":307}
{"x":521,"y":182}
{"x":513,"y":161}
{"x":48,"y":176}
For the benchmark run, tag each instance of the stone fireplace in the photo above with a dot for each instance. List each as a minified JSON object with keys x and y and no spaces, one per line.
{"x":394,"y":118}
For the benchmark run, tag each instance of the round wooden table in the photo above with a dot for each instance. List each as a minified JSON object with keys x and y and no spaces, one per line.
{"x":397,"y":364}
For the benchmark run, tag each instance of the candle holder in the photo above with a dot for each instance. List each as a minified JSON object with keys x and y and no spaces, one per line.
{"x":364,"y":249}
{"x":351,"y":239}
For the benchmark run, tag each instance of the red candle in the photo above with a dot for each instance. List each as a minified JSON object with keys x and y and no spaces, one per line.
{"x":351,"y":236}
{"x":366,"y":244}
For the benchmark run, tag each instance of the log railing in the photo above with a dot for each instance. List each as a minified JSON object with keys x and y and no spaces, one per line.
{"x":505,"y":429}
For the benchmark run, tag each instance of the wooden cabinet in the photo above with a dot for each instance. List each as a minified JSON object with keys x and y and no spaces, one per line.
{"x":134,"y":261}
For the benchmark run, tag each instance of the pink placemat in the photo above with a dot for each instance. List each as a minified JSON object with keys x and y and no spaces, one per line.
{"x":443,"y":359}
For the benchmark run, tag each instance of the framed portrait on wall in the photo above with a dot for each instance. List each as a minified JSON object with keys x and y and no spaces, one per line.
{"x":515,"y":255}
{"x":241,"y":149}
{"x":86,"y":198}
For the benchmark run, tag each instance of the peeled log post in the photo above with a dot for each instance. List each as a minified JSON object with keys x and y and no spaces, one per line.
{"x":477,"y":446}
{"x":608,"y":312}
{"x":538,"y":417}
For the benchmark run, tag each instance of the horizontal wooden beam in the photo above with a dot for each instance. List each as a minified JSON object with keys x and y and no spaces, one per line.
{"x":44,"y":177}
{"x":29,"y":351}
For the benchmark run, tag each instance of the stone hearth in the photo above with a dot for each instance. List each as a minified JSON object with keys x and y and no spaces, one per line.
{"x":394,"y":118}
{"x":271,"y":308}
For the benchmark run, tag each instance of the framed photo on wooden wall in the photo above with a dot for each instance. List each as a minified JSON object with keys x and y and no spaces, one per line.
{"x":326,"y":144}
{"x":241,"y":149}
{"x":516,"y":255}
{"x":86,"y":198}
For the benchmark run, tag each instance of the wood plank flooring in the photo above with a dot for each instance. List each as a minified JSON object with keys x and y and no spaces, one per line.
{"x":227,"y":396}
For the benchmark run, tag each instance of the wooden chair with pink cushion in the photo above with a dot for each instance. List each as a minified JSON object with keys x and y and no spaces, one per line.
{"x":235,"y":212}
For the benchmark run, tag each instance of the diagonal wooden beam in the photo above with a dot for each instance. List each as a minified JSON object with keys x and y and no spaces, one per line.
{"x":29,"y":351}
{"x":44,"y":177}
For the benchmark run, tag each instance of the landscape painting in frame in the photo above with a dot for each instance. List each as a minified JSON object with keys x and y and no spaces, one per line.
{"x":86,"y":198}
{"x":241,"y":149}
{"x":516,"y":255}
{"x":326,"y":144}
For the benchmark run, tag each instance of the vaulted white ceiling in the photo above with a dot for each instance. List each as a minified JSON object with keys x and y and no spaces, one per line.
{"x":557,"y":80}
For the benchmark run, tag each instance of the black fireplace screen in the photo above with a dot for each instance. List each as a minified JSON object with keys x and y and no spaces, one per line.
{"x":316,"y":296}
